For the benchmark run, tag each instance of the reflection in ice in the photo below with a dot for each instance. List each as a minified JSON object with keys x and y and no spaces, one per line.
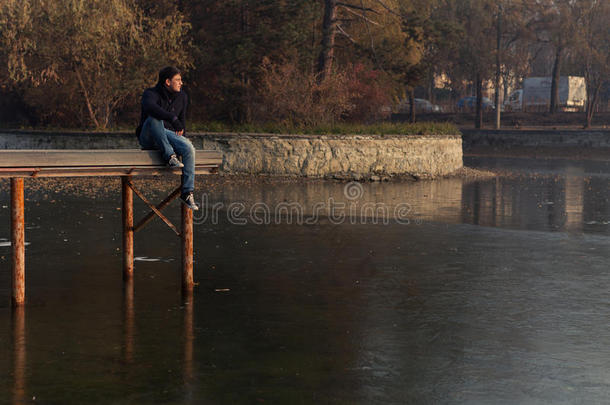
{"x":152,"y":259}
{"x":8,"y":244}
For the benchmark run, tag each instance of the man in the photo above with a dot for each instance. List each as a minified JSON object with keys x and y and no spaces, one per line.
{"x":162,"y":127}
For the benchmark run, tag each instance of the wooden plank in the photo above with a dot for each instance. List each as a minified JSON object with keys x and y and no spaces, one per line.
{"x":164,"y":169}
{"x":97,"y":157}
{"x":99,"y":171}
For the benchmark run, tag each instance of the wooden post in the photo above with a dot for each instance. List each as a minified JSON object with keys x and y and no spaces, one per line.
{"x":19,"y":350}
{"x":20,"y":358}
{"x":127,"y":210}
{"x":18,"y":241}
{"x":187,"y":249}
{"x":189,"y":338}
{"x":129,"y":320}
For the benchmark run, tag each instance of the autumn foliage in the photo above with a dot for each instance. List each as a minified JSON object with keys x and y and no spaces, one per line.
{"x":370,"y":94}
{"x":298,"y":98}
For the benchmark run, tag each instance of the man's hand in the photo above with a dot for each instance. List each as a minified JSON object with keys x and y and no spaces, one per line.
{"x":177,"y":124}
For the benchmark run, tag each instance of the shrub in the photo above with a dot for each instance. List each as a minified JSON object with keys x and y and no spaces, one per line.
{"x":370,"y":94}
{"x":296,"y":98}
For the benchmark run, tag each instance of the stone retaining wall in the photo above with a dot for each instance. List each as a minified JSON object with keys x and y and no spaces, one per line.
{"x":346,"y":156}
{"x":351,"y":156}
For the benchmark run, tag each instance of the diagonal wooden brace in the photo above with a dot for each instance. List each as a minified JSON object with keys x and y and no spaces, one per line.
{"x":152,"y":207}
{"x":159,"y":207}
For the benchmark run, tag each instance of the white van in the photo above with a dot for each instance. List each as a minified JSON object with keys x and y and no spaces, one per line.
{"x":536,"y":94}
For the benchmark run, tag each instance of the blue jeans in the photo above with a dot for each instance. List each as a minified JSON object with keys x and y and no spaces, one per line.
{"x":155,"y":136}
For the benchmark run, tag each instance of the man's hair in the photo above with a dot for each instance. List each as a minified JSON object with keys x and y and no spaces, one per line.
{"x":167,"y":73}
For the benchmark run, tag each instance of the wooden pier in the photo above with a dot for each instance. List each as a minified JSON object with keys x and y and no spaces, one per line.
{"x":126,"y":163}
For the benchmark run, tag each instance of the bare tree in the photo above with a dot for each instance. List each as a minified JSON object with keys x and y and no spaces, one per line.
{"x":557,"y":26}
{"x":594,"y":50}
{"x":329,"y":32}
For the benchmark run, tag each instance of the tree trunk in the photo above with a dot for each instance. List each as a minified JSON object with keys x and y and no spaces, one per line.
{"x":329,"y":31}
{"x":106,"y":116}
{"x":412,"y":105}
{"x":591,"y":104}
{"x":87,"y":99}
{"x":497,"y":84}
{"x":478,"y":119}
{"x":555,"y":81}
{"x":431,"y":97}
{"x":245,"y":115}
{"x":505,"y":80}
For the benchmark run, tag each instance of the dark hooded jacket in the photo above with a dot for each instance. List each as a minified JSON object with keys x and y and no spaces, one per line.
{"x":160,"y":103}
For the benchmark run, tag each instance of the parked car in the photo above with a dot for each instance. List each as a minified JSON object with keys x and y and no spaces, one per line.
{"x":421,"y":105}
{"x":470,"y":103}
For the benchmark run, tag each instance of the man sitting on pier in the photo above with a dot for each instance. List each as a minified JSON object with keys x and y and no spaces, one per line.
{"x":162,"y":127}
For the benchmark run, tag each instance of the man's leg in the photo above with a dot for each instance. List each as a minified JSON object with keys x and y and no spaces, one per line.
{"x":184,"y":148}
{"x":154,"y":136}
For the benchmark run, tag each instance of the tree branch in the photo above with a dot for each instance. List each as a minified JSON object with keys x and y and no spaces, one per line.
{"x":388,"y":8}
{"x":342,"y":31}
{"x":368,"y":30}
{"x":87,"y":100}
{"x":361,"y":16}
{"x":357,"y":7}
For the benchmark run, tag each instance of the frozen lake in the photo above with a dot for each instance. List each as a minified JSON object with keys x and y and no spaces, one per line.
{"x":489,"y":291}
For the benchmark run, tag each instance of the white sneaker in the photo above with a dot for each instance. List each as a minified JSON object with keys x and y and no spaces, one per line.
{"x":189,"y":201}
{"x":174,"y":162}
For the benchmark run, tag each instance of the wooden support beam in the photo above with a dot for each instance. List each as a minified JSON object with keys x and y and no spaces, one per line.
{"x":187,"y":250}
{"x":18,"y":241}
{"x":127,"y":210}
{"x":152,"y":207}
{"x":159,"y":207}
{"x":96,"y":158}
